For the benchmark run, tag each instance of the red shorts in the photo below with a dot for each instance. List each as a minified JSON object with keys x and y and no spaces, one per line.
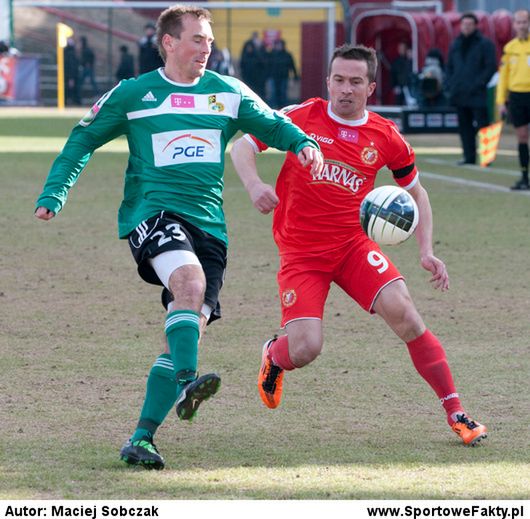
{"x":359,"y":268}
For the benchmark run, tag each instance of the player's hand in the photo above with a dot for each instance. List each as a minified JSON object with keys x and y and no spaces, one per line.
{"x":503,"y":111}
{"x":263,"y":197}
{"x":440,"y":276}
{"x":44,"y":214}
{"x":311,"y":156}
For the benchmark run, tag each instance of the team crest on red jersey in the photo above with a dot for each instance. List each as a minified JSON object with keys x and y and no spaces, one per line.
{"x":288,"y":297}
{"x":369,"y":155}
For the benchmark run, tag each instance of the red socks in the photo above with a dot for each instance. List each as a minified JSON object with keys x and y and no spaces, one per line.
{"x":279,"y":353}
{"x":428,"y":357}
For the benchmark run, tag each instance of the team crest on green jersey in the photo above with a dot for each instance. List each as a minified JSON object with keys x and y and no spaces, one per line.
{"x":214,"y":105}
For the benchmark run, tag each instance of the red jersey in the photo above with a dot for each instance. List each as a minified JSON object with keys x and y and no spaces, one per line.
{"x":321,"y":212}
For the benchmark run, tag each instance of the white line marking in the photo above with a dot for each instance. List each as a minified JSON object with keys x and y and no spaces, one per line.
{"x":471,"y":183}
{"x":490,"y":169}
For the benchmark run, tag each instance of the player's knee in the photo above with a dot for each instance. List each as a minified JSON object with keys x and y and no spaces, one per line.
{"x":194,"y":290}
{"x":410,"y":324}
{"x":197,"y":287}
{"x":401,"y":315}
{"x":188,"y":291}
{"x":305,"y":350}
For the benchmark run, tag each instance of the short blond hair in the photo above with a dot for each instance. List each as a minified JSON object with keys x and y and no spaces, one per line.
{"x":170,"y":22}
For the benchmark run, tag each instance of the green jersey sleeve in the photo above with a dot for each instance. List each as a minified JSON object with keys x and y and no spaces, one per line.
{"x":88,"y":135}
{"x":270,"y":126}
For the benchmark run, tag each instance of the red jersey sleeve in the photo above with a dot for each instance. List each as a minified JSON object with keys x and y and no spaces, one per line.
{"x":256,"y":143}
{"x":402,"y":162}
{"x":261,"y":146}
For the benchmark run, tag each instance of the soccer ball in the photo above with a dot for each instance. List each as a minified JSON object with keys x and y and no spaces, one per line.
{"x":389,"y":215}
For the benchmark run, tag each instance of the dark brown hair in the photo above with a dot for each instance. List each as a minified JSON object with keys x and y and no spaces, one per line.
{"x":471,"y":16}
{"x":359,"y":53}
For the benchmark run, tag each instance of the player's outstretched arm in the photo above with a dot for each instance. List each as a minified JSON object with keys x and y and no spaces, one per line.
{"x":262,"y":195}
{"x":440,"y":276}
{"x":44,"y":214}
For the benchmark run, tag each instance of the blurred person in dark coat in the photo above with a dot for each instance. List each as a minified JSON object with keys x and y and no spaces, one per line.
{"x":401,"y":73}
{"x":87,"y":59}
{"x":125,"y":68}
{"x":149,"y":57}
{"x":71,"y":73}
{"x":470,"y":66}
{"x":254,"y":64}
{"x":282,"y":67}
{"x":220,"y":61}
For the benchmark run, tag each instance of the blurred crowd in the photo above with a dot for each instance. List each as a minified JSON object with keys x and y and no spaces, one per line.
{"x":424,"y":89}
{"x":266,"y":67}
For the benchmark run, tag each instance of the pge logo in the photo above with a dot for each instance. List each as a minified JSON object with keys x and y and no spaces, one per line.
{"x":182,"y":147}
{"x":190,"y":150}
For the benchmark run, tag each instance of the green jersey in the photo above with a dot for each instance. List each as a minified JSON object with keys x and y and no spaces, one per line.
{"x":177,"y":136}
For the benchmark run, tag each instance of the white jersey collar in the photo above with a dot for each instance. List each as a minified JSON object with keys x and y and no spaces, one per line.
{"x":348,"y":122}
{"x":165,"y":78}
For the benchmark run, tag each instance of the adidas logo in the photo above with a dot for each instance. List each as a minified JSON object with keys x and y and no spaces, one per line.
{"x":149,"y":97}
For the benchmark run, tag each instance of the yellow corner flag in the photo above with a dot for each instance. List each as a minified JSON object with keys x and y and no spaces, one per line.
{"x":63,"y":33}
{"x":488,"y":142}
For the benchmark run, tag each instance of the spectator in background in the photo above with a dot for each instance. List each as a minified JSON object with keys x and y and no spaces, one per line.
{"x":255,"y":41}
{"x":247,"y":64}
{"x":253,"y":64}
{"x":88,"y":59}
{"x":281,"y":67}
{"x":149,"y":57}
{"x":71,"y":73}
{"x":401,"y":74}
{"x":470,"y":66}
{"x":514,"y":87}
{"x":126,"y":66}
{"x":220,"y":61}
{"x":431,"y":81}
{"x":262,"y":70}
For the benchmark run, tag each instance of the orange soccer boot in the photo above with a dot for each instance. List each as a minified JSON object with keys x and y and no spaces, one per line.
{"x":270,"y":379}
{"x":470,"y":431}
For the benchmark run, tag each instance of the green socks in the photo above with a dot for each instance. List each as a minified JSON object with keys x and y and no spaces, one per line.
{"x":182,"y":331}
{"x":160,"y":397}
{"x":170,"y":371}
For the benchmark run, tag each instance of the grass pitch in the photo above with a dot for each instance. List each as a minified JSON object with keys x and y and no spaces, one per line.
{"x":79,"y":331}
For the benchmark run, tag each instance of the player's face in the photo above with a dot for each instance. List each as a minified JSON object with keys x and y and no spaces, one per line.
{"x":187,"y":56}
{"x":349,"y":88}
{"x":520,"y":24}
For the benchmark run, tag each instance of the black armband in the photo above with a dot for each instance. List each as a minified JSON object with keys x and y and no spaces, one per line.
{"x":403,"y":172}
